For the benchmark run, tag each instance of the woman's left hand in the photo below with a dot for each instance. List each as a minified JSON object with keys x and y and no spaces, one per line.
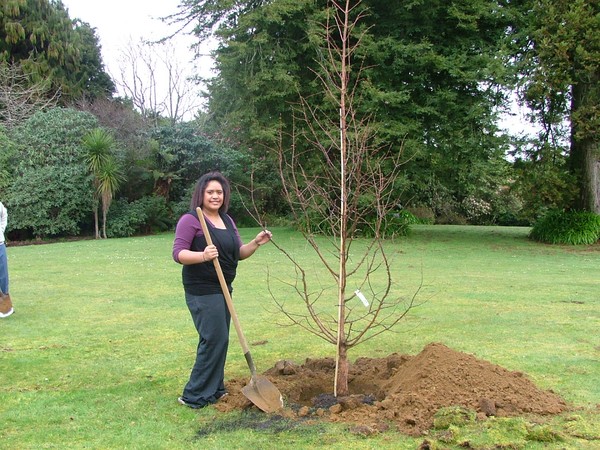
{"x":263,"y":237}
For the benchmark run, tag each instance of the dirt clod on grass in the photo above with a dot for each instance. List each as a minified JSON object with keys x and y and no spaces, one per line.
{"x":401,"y":391}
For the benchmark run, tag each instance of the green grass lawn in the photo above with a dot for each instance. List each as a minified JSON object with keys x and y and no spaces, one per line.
{"x":101,"y":342}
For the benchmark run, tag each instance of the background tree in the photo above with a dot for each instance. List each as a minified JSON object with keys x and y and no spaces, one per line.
{"x":131,"y":130}
{"x":39,"y":36}
{"x":432,"y":76}
{"x":91,"y":78}
{"x":563,"y":86}
{"x":110,"y":178}
{"x":105,"y":171}
{"x":19,"y":97}
{"x":357,"y":176}
{"x":156,"y":84}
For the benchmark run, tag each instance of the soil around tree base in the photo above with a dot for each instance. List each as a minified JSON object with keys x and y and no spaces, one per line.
{"x":401,"y":390}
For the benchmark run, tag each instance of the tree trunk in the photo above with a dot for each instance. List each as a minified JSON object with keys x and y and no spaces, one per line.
{"x":96,"y":222}
{"x":104,"y":211}
{"x":585,"y":149}
{"x":589,"y":176}
{"x":341,"y":380}
{"x":341,"y":366}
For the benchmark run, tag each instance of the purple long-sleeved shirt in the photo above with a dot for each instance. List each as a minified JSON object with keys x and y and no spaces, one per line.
{"x":187,"y":229}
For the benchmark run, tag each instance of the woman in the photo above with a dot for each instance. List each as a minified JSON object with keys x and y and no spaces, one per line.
{"x":6,"y":308}
{"x":203,"y":293}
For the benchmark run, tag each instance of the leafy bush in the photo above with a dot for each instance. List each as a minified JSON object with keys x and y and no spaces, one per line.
{"x":567,"y":227}
{"x":422,"y":215}
{"x":50,"y":201}
{"x":49,"y":190}
{"x":507,"y":207}
{"x":7,"y":160}
{"x":159,"y":214}
{"x":124,"y":219}
{"x":182,"y":154}
{"x":510,"y":219}
{"x":395,"y":224}
{"x":52,"y":138}
{"x":398,"y":224}
{"x":143,"y":216}
{"x":477,"y":211}
{"x":450,"y":217}
{"x":542,"y":187}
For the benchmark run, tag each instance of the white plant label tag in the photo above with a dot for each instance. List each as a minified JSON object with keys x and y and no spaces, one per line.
{"x":362,"y":297}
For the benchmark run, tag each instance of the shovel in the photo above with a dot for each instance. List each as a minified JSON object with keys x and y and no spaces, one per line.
{"x":260,"y":390}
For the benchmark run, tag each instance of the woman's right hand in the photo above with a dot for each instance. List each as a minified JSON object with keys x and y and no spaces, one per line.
{"x":210,"y":253}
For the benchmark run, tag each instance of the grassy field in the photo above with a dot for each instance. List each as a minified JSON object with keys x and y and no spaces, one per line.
{"x":101,"y":342}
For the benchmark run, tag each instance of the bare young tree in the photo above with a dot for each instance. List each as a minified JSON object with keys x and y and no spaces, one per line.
{"x":156,"y":83}
{"x":20,"y":97}
{"x":340,"y":185}
{"x":127,"y":124}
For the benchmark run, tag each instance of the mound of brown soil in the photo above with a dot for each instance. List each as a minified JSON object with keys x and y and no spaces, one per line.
{"x":402,"y":390}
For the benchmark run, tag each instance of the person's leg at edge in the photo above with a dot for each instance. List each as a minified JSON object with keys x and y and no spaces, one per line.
{"x":6,"y":308}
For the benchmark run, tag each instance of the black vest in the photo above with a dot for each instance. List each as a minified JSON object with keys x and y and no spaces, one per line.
{"x":202,"y":279}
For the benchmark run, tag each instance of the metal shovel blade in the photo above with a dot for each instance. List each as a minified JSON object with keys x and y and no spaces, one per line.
{"x":263,"y":394}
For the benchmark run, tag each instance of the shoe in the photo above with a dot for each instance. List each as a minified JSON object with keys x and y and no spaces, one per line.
{"x":6,"y":308}
{"x":189,"y":405}
{"x":222,"y":395}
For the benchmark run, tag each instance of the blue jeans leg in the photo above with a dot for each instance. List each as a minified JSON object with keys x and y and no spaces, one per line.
{"x":3,"y":270}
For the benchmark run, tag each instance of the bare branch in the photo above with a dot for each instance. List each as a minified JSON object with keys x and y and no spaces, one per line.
{"x":20,"y":97}
{"x":156,"y":84}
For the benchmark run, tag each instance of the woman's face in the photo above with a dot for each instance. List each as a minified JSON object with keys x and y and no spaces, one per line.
{"x":213,"y":196}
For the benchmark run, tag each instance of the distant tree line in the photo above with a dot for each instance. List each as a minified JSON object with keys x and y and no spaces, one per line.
{"x":435,"y":77}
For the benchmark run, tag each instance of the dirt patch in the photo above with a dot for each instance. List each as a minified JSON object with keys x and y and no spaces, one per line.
{"x":401,"y":391}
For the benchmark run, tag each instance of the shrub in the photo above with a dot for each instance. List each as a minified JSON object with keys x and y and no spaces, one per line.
{"x":476,"y":210}
{"x":542,"y":186}
{"x":143,"y":216}
{"x":408,"y":217}
{"x":47,"y":186}
{"x":398,"y":224}
{"x":567,"y":227}
{"x":50,"y":201}
{"x":423,"y":215}
{"x":451,"y":218}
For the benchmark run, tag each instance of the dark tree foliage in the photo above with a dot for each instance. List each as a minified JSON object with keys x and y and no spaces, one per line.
{"x":434,"y":82}
{"x":40,"y":36}
{"x":181,"y":153}
{"x":555,"y":48}
{"x":432,"y":74}
{"x":91,"y":78}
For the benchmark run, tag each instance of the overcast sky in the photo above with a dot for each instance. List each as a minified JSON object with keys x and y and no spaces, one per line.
{"x":120,"y":22}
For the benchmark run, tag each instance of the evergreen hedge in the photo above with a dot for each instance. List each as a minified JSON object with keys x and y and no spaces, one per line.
{"x":567,"y":227}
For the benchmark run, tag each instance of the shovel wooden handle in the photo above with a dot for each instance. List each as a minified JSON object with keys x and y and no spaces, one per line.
{"x":227,"y":296}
